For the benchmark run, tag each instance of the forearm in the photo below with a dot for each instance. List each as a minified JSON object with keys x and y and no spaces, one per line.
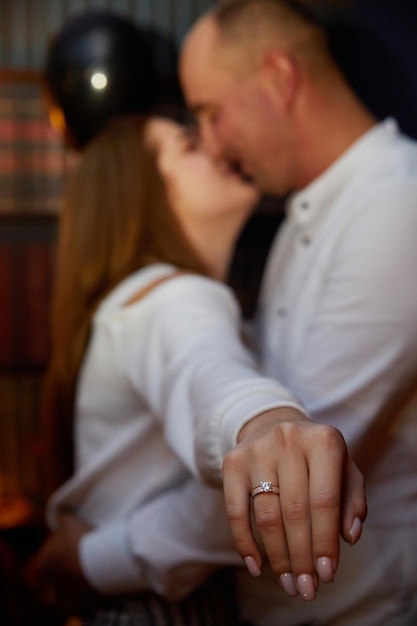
{"x":170,"y":545}
{"x":202,"y":382}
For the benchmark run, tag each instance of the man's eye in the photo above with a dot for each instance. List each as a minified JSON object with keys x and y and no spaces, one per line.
{"x":191,"y":137}
{"x":213,"y":117}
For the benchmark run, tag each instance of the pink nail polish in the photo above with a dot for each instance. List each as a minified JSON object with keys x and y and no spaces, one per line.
{"x":324,"y":569}
{"x":288,"y":584}
{"x":306,"y":587}
{"x":253,"y":567}
{"x":355,"y":531}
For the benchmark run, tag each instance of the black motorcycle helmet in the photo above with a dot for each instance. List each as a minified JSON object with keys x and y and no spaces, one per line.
{"x":101,"y":65}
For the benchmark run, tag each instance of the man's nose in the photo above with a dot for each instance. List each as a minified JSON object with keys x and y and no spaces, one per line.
{"x":210,"y":142}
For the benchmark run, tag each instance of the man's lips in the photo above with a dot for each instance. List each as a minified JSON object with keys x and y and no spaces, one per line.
{"x":238,"y":168}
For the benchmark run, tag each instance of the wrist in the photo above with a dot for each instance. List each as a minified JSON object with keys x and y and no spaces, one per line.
{"x":263,"y":422}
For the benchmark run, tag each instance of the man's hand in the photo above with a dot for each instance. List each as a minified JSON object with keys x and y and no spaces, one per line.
{"x":321,"y":495}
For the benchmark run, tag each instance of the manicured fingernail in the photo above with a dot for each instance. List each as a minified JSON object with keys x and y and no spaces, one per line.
{"x":356,"y":530}
{"x":253,"y":567}
{"x":324,"y":569}
{"x":306,"y":587}
{"x":288,"y":584}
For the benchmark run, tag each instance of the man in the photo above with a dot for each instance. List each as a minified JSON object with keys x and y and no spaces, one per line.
{"x":337,"y":316}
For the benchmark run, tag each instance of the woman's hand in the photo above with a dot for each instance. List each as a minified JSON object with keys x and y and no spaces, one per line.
{"x":321,"y":495}
{"x":56,"y":572}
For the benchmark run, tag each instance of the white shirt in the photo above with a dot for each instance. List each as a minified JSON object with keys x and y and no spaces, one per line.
{"x":338,"y":307}
{"x":142,"y":433}
{"x":337,"y":324}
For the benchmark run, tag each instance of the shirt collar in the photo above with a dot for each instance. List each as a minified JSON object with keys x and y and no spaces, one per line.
{"x":313,"y":202}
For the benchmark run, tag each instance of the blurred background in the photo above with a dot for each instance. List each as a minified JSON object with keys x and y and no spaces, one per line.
{"x":375,"y":42}
{"x":27,"y":25}
{"x":34,"y":158}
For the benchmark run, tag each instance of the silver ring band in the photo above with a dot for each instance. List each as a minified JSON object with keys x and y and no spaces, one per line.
{"x":264,"y":487}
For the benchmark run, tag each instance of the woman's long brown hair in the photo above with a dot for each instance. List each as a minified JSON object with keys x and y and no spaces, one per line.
{"x":115,"y":219}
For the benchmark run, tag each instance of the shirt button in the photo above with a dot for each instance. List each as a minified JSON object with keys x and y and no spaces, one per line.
{"x":305,"y":204}
{"x":282,"y":312}
{"x":306,"y":240}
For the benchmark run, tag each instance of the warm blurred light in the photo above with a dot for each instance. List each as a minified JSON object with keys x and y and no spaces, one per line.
{"x":57,"y":119}
{"x":99,"y":80}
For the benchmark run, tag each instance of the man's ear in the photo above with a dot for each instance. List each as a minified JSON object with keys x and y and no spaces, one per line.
{"x":281,"y":75}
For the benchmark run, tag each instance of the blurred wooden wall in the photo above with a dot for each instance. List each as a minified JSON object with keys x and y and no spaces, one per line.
{"x":27,"y":25}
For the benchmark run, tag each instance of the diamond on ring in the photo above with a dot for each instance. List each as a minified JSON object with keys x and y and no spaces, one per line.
{"x":264,"y":487}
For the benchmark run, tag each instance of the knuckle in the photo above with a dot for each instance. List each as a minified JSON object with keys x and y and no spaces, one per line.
{"x":231,"y":461}
{"x":331,"y":437}
{"x":242,"y":546}
{"x":297,"y":512}
{"x":325,"y":500}
{"x":234,"y":460}
{"x":240,"y":456}
{"x":267,"y":520}
{"x":234,"y":513}
{"x":327,"y":434}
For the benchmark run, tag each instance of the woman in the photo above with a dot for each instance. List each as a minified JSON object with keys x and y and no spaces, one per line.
{"x":148,"y":223}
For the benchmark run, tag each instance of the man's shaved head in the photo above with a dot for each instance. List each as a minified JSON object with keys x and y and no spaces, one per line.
{"x":246,"y":28}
